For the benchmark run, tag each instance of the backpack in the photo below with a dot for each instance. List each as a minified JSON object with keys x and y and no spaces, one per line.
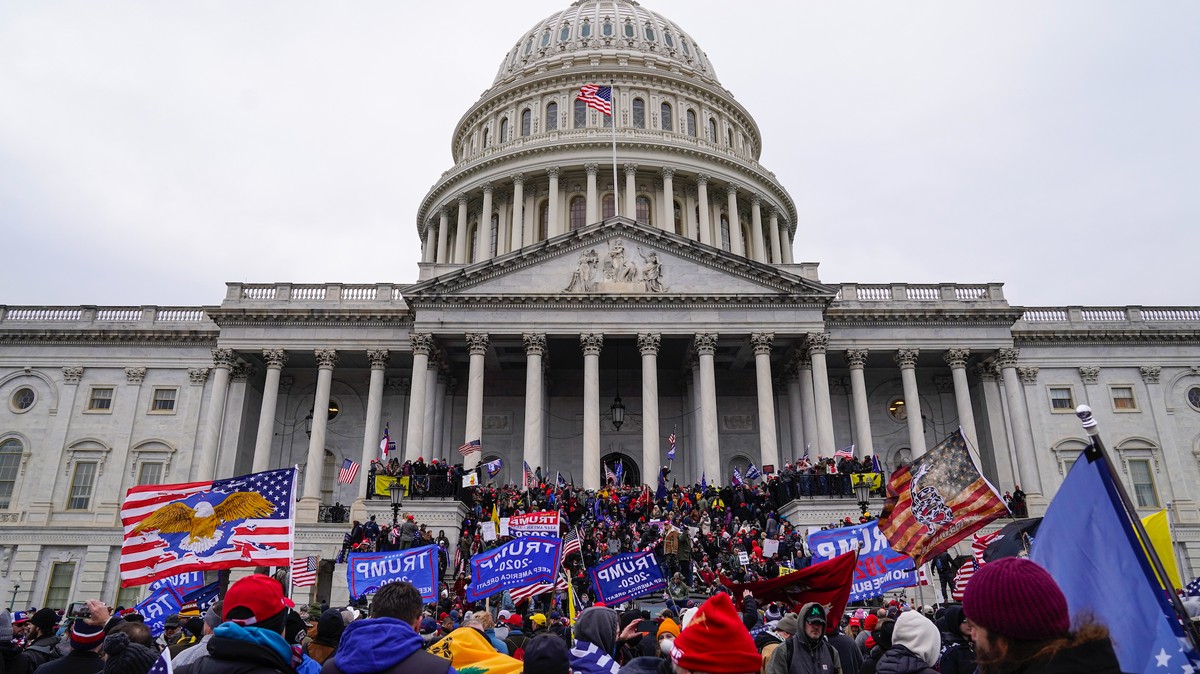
{"x":789,"y":649}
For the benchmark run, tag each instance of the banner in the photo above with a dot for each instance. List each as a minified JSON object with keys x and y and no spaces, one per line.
{"x":880,"y":568}
{"x":785,"y":570}
{"x":543,"y":523}
{"x":384,"y":482}
{"x":158,"y":607}
{"x":531,"y":559}
{"x":770,"y":548}
{"x":626,"y":577}
{"x":366,"y":572}
{"x":184,"y":583}
{"x":204,"y":597}
{"x":873,"y":479}
{"x":471,"y":479}
{"x":827,"y":583}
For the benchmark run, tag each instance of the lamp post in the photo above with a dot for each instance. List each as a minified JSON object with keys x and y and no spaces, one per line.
{"x":13,"y":599}
{"x":862,"y":490}
{"x":308,"y":421}
{"x":396,"y":491}
{"x":617,"y":409}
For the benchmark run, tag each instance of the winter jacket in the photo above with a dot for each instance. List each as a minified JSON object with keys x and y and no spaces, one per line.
{"x":41,"y":651}
{"x":75,"y":662}
{"x":900,"y":660}
{"x":383,"y":646}
{"x":234,"y":649}
{"x":1093,"y":657}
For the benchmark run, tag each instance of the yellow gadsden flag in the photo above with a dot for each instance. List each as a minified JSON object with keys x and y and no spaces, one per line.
{"x":1160,"y":537}
{"x":469,"y":651}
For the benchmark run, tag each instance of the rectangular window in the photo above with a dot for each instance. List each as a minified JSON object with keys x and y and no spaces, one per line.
{"x":81,"y":486}
{"x":1123,"y":400}
{"x":100,"y":400}
{"x":150,"y":473}
{"x":163,"y":401}
{"x":1143,"y":483}
{"x":129,"y":596}
{"x":10,"y":463}
{"x":58,"y":590}
{"x":1061,"y":399}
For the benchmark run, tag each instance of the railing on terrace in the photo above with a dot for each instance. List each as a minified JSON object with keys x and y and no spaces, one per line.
{"x":1130,"y":314}
{"x":910,"y":292}
{"x":90,"y":314}
{"x":314,"y":292}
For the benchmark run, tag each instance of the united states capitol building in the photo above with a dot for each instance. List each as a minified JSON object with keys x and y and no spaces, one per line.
{"x":566,"y":313}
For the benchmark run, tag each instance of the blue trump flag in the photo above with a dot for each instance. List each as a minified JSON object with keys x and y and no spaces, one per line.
{"x":184,"y":583}
{"x":366,"y":572}
{"x":204,"y":597}
{"x":156,"y":608}
{"x":626,"y":577}
{"x":880,"y":568}
{"x":1088,"y":545}
{"x":521,"y":561}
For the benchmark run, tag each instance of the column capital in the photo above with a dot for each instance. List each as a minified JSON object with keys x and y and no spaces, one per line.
{"x":732,"y":189}
{"x":957,"y":358}
{"x":135,"y":375}
{"x":648,"y":343}
{"x":486,"y":187}
{"x":275,"y":358}
{"x":477,"y":343}
{"x":702,"y":179}
{"x":196,"y":375}
{"x":462,"y":199}
{"x":591,"y":343}
{"x":817,"y":343}
{"x":772,"y":212}
{"x":802,"y":359}
{"x":1028,"y":374}
{"x":987,"y":371}
{"x":907,"y":358}
{"x":378,"y":358}
{"x":421,"y":343}
{"x":755,"y":199}
{"x":1089,"y":374}
{"x":592,"y":168}
{"x":944,"y":384}
{"x":222,"y":358}
{"x":444,"y":211}
{"x":631,"y":169}
{"x":535,"y":343}
{"x":761,"y":341}
{"x":241,"y":371}
{"x":857,"y":358}
{"x":554,"y":171}
{"x":326,"y":358}
{"x":397,"y":385}
{"x":518,"y":178}
{"x":1150,"y":373}
{"x":668,"y":172}
{"x":706,"y":343}
{"x":72,"y":374}
{"x":1007,"y":357}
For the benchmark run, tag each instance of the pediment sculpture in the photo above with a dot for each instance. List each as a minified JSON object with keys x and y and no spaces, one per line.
{"x":617,"y":272}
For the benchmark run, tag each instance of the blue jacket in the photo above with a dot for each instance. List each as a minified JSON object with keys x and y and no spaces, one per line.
{"x":383,"y":645}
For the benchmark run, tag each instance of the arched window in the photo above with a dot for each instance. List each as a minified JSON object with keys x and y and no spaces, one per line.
{"x":580,"y":114}
{"x":665,"y":113}
{"x":10,"y":464}
{"x":578,"y":213}
{"x":526,"y":121}
{"x":529,"y":46}
{"x":474,"y":229}
{"x":729,"y":138}
{"x":504,"y":130}
{"x":691,"y":123}
{"x":585,"y":29}
{"x":712,"y":130}
{"x":643,"y":209}
{"x":487,"y":137}
{"x":607,"y":206}
{"x":678,"y":219}
{"x":546,"y":39}
{"x":565,"y":33}
{"x":495,"y":234}
{"x":683,"y":42}
{"x":724,"y":232}
{"x":543,"y":221}
{"x":639,"y":113}
{"x":551,"y":116}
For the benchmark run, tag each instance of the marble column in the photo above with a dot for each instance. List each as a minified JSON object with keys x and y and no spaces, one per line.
{"x":786,"y":241}
{"x":808,"y":407}
{"x":535,"y":434}
{"x":593,"y":200}
{"x":502,"y":232}
{"x":314,"y":470}
{"x":477,"y":345}
{"x":907,"y":360}
{"x":767,"y":436}
{"x":431,"y":428}
{"x":773,"y":228}
{"x":422,"y":344}
{"x":756,"y":229}
{"x":207,"y":463}
{"x":518,"y":208}
{"x":697,"y":435}
{"x":735,"y":224}
{"x":957,"y":360}
{"x":462,"y":238}
{"x":863,"y":442}
{"x":378,"y":358}
{"x":706,"y":235}
{"x":706,"y":348}
{"x":429,"y":248}
{"x":275,"y":359}
{"x":591,"y":343}
{"x":1018,"y":414}
{"x":796,"y":416}
{"x":818,"y":343}
{"x":631,"y":191}
{"x":443,"y":255}
{"x":483,"y":239}
{"x":555,"y":225}
{"x":442,"y":387}
{"x":648,"y":343}
{"x":668,"y":220}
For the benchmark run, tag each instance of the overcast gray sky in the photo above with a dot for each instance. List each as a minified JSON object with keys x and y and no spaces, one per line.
{"x":152,"y":151}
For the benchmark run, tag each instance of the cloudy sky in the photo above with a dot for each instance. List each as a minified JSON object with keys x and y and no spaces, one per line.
{"x":152,"y":151}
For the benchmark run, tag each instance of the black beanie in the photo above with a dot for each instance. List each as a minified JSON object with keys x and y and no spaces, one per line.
{"x":125,"y":657}
{"x":330,"y":628}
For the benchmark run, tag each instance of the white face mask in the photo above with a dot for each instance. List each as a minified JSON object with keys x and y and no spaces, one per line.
{"x":666,"y":645}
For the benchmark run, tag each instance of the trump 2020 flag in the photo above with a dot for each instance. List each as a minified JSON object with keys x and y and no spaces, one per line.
{"x":199,"y":526}
{"x":1088,"y":545}
{"x":937,"y":501}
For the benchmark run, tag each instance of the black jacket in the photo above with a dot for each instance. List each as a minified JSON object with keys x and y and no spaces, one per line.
{"x":42,"y":651}
{"x":233,"y":656}
{"x":900,"y":660}
{"x":75,"y":662}
{"x":14,"y":661}
{"x":1093,"y":657}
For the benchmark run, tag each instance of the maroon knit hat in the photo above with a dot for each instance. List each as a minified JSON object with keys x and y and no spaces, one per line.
{"x":1016,"y":598}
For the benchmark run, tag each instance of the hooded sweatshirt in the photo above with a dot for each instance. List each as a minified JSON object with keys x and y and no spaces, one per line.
{"x":376,"y":645}
{"x":915,"y":646}
{"x":595,"y":639}
{"x":234,"y":648}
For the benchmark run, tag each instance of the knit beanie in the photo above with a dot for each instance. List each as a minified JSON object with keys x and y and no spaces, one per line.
{"x":6,"y":632}
{"x":212,"y":617}
{"x":1016,"y":598}
{"x":788,"y":623}
{"x":330,"y":628}
{"x":85,"y":637}
{"x":44,"y":619}
{"x":125,"y":657}
{"x":715,"y":641}
{"x":669,"y":626}
{"x":547,"y":654}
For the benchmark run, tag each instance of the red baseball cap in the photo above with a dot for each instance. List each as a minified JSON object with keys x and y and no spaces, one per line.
{"x":262,"y":595}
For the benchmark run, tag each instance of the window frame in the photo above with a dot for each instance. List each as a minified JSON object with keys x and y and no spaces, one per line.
{"x":154,"y":399}
{"x":638,"y":107}
{"x":151,"y":451}
{"x":692,"y":120}
{"x":579,"y":115}
{"x":1112,"y":390}
{"x":638,"y":203}
{"x":65,"y":590}
{"x":73,"y":485}
{"x":1147,"y":462}
{"x":112,"y":399}
{"x":22,"y":454}
{"x":1051,"y":388}
{"x":526,"y":122}
{"x":141,"y":469}
{"x":12,"y":399}
{"x":552,"y":116}
{"x":504,"y":130}
{"x":577,"y":216}
{"x":666,"y":112}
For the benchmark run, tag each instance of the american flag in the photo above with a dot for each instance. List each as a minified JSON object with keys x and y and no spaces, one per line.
{"x":522,"y":593}
{"x":163,"y":530}
{"x":162,"y":665}
{"x":348,"y":472}
{"x":385,"y":444}
{"x":608,"y":474}
{"x":1192,"y":589}
{"x":671,"y":441}
{"x":469,"y":448}
{"x":962,"y":578}
{"x":527,"y":478}
{"x":571,"y":543}
{"x":596,"y":97}
{"x":846,"y":453}
{"x":979,"y":544}
{"x":304,"y":571}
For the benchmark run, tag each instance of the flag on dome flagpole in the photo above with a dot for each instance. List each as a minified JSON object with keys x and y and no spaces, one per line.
{"x":385,"y":444}
{"x":671,"y":441}
{"x":348,"y":471}
{"x":596,"y":97}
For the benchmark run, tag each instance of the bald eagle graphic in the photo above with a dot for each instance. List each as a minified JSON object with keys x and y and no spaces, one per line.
{"x":199,"y":530}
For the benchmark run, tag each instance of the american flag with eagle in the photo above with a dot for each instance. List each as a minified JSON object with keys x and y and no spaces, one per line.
{"x":197,"y":526}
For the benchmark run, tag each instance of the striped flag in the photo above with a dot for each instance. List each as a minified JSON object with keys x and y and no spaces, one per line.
{"x":571,"y":543}
{"x":609,"y":475}
{"x":845,"y":453}
{"x":527,"y":478}
{"x":348,"y":472}
{"x":937,"y":501}
{"x":596,"y":97}
{"x":469,"y":448}
{"x":671,"y":441}
{"x":198,"y":526}
{"x":1192,"y":589}
{"x":385,"y":444}
{"x":304,"y":571}
{"x":980,"y":543}
{"x":522,"y":593}
{"x":962,"y":578}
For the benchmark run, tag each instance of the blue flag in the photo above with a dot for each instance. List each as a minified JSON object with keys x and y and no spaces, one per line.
{"x":703,"y":482}
{"x":493,"y":467}
{"x":661,"y":492}
{"x":366,"y":572}
{"x":520,"y":562}
{"x":1088,"y":545}
{"x":753,"y":472}
{"x":880,"y":568}
{"x":626,"y":577}
{"x":204,"y":597}
{"x":156,"y":608}
{"x":620,"y":471}
{"x":737,"y":477}
{"x":162,"y":665}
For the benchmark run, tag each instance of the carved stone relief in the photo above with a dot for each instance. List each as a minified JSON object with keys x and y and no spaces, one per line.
{"x":617,"y":272}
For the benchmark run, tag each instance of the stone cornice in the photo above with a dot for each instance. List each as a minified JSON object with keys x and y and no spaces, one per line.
{"x":1097,"y":337}
{"x":933,"y":315}
{"x":68,"y":337}
{"x":621,"y":301}
{"x":290,"y":316}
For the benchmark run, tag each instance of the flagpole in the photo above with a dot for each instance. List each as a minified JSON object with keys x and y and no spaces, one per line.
{"x":1089,"y":425}
{"x":612,"y":89}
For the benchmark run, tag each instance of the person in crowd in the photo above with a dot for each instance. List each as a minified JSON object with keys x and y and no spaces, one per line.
{"x":958,"y":653}
{"x":517,"y":638}
{"x":714,"y":640}
{"x":882,"y":637}
{"x":122,"y":656}
{"x":387,"y":642}
{"x":137,"y":631}
{"x":41,"y":638}
{"x":808,"y":652}
{"x":1018,"y":620}
{"x":12,"y":660}
{"x":597,"y":640}
{"x":212,"y":619}
{"x":85,"y":636}
{"x":915,"y":646}
{"x":249,"y":639}
{"x":547,"y":654}
{"x":189,"y":635}
{"x":768,"y":640}
{"x":848,"y":651}
{"x":489,"y":630}
{"x":172,"y":632}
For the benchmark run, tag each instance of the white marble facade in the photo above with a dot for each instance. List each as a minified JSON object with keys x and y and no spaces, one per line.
{"x":701,"y":322}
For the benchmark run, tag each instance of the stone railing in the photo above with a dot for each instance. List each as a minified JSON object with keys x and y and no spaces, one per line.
{"x":141,"y":316}
{"x":912,"y":292}
{"x":1111,"y":315}
{"x":313,"y":292}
